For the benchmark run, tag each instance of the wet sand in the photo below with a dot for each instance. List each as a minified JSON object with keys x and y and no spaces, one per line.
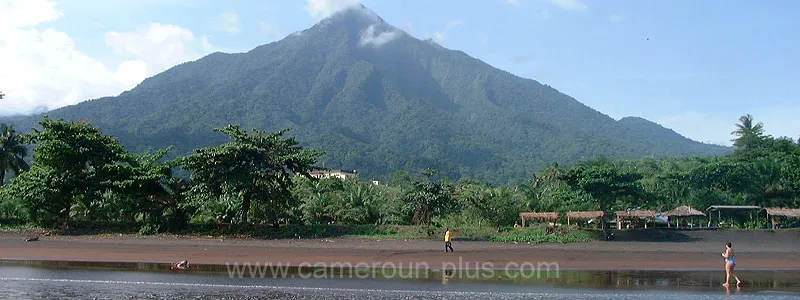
{"x":693,"y":250}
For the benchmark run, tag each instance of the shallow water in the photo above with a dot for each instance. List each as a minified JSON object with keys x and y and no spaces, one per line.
{"x":67,"y":282}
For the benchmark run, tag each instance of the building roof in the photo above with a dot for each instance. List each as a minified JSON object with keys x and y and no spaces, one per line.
{"x":784,"y":212}
{"x":585,"y":215}
{"x":636,"y":214}
{"x":333,"y":171}
{"x":539,"y":216}
{"x":732,"y":207}
{"x":684,"y":211}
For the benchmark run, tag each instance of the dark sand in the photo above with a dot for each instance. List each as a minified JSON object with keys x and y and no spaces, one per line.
{"x":684,"y":250}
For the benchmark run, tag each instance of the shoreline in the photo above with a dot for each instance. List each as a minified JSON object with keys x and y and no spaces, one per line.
{"x":764,"y":251}
{"x":203,"y":267}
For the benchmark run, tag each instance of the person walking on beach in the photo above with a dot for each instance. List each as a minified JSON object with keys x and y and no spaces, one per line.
{"x":730,"y":263}
{"x":448,"y":247}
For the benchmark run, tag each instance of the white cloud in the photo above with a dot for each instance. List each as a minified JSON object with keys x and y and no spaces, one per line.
{"x":156,"y":47}
{"x":513,"y":2}
{"x":18,"y":14}
{"x":228,"y":22}
{"x":569,"y":4}
{"x":323,"y":8}
{"x":439,"y":36}
{"x":376,"y":39}
{"x":42,"y":69}
{"x":269,"y":29}
{"x":207,"y":47}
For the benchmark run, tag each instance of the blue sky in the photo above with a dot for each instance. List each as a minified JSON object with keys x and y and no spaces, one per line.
{"x":693,"y":66}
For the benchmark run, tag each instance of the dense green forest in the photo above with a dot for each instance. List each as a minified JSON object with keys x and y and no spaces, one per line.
{"x":406,"y":105}
{"x":79,"y":174}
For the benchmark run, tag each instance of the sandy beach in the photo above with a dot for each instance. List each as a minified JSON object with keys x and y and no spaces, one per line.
{"x":695,"y":250}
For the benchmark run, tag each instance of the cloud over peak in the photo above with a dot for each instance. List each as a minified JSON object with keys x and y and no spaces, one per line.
{"x":372,"y":36}
{"x":320,"y":9}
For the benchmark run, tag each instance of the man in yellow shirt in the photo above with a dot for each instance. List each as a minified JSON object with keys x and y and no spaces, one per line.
{"x":448,"y":247}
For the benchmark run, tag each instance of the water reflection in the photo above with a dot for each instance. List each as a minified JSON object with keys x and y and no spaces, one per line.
{"x":753,"y":281}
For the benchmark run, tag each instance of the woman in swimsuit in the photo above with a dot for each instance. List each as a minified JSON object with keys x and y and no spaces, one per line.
{"x":730,"y":263}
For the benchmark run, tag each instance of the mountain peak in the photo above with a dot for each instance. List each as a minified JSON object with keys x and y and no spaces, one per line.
{"x":360,"y":24}
{"x":377,"y":99}
{"x":359,"y":14}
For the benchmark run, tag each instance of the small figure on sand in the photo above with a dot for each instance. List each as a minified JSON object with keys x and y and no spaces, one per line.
{"x":448,"y":247}
{"x":730,"y":263}
{"x":181,"y":265}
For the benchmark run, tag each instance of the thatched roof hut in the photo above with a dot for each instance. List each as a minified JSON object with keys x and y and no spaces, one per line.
{"x":541,"y":216}
{"x":634,"y":214}
{"x":584,"y":215}
{"x":732,"y":207}
{"x":783,"y":212}
{"x":548,"y":216}
{"x":628,"y":214}
{"x":684,"y":211}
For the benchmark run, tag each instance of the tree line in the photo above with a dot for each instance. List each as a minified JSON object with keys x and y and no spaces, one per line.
{"x":257,"y":177}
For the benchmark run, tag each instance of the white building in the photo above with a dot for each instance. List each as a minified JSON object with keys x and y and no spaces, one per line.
{"x":341,"y":174}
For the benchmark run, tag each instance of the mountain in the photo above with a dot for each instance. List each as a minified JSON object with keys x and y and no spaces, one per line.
{"x":377,"y":100}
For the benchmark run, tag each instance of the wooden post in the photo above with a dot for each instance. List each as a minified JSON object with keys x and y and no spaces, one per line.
{"x":523,"y":221}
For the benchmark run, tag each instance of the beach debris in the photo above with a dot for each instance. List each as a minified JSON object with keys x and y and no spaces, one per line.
{"x":47,"y":233}
{"x":181,"y":265}
{"x":32,"y":239}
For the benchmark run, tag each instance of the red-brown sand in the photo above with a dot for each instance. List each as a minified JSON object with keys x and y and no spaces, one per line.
{"x":755,"y":250}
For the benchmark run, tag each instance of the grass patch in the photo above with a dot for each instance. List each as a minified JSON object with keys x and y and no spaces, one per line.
{"x":540,"y":235}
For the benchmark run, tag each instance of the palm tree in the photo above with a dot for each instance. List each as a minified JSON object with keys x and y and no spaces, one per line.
{"x":748,"y":134}
{"x":12,"y":153}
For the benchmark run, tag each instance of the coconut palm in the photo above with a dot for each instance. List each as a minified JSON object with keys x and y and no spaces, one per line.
{"x":12,"y":153}
{"x":748,"y":134}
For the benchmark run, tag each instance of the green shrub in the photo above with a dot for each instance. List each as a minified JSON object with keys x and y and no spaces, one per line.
{"x":539,"y":235}
{"x":149,"y":229}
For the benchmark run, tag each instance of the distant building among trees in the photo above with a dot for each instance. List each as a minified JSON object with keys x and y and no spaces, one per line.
{"x":341,"y":174}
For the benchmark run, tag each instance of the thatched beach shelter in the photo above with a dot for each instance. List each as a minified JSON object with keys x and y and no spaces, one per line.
{"x":773,"y":212}
{"x":728,"y":208}
{"x":584,"y":215}
{"x":538,"y":216}
{"x":683,"y":212}
{"x":634,"y":214}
